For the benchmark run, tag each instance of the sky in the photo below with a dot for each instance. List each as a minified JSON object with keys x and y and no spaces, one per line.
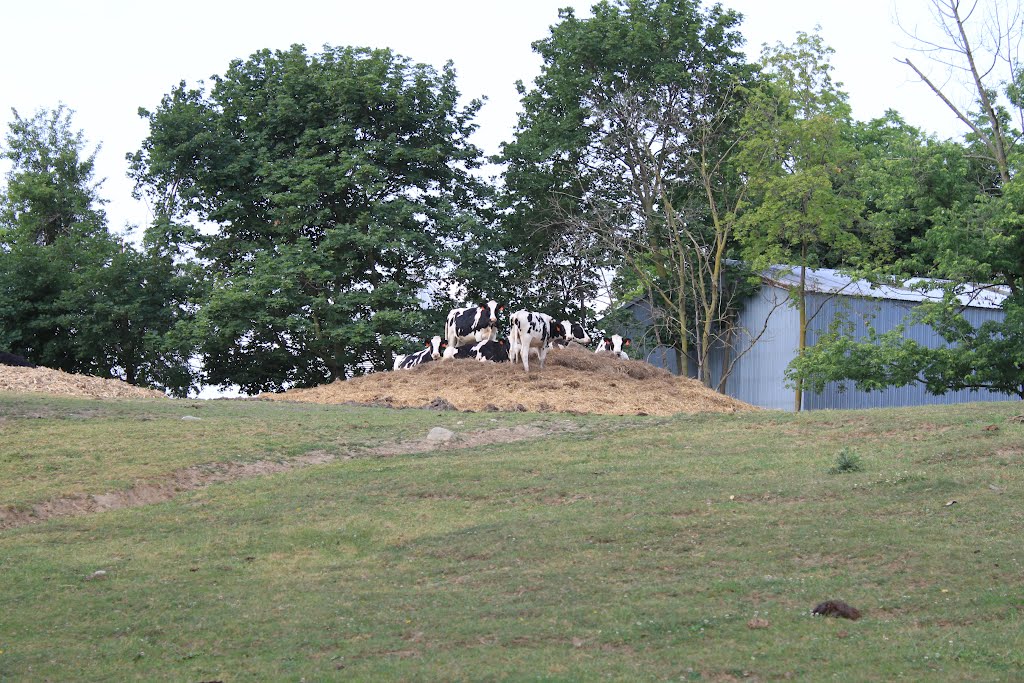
{"x":105,"y":59}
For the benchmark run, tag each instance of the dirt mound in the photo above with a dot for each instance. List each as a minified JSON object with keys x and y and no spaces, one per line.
{"x":47,"y":381}
{"x":575,"y":380}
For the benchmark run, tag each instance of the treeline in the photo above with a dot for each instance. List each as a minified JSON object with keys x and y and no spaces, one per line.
{"x":311,"y":210}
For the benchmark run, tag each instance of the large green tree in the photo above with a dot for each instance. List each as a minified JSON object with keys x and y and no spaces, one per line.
{"x":73,"y":296}
{"x":623,"y":138}
{"x":332,"y":183}
{"x":799,"y":158}
{"x":971,"y":238}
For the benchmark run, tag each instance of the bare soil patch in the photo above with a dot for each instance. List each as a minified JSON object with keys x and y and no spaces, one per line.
{"x":45,"y":380}
{"x":574,"y":381}
{"x":199,"y":476}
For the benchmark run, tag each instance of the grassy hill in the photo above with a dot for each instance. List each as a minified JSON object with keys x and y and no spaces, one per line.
{"x":531,"y":546}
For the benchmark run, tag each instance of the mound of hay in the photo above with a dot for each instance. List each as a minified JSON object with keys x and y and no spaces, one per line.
{"x":47,"y":381}
{"x":575,"y":380}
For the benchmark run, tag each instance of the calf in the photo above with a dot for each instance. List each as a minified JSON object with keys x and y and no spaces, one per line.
{"x":613,"y":345}
{"x":530,"y":331}
{"x":431,"y":352}
{"x":15,"y":360}
{"x":494,"y":351}
{"x":473,"y":324}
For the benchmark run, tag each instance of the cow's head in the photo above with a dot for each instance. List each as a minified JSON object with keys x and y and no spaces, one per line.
{"x":436,"y":346}
{"x":618,"y":343}
{"x":493,"y":309}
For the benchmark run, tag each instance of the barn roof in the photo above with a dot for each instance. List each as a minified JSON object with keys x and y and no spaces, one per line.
{"x":830,"y":281}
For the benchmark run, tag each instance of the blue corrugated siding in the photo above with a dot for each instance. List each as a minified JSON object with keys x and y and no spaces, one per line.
{"x":759,"y":376}
{"x":884,"y":315}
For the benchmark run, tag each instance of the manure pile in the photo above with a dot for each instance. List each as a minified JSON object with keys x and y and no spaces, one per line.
{"x":47,"y":381}
{"x":574,"y":381}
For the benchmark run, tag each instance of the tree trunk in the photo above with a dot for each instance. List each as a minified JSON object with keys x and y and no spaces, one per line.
{"x":802,"y":339}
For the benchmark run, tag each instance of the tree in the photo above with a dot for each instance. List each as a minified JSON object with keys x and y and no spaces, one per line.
{"x":974,"y":43}
{"x":797,"y":154}
{"x":75,"y":297}
{"x":906,"y":179}
{"x":974,"y":240}
{"x":52,"y":227}
{"x":624,"y":137}
{"x":335,"y":183}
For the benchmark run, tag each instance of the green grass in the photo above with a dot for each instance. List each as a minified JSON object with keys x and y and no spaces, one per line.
{"x":634,"y":549}
{"x":55,"y":447}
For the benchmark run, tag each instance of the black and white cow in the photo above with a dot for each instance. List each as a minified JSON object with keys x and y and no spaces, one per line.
{"x":472,"y":325}
{"x":613,"y":345}
{"x":529,"y":331}
{"x":574,"y":332}
{"x":431,"y":352}
{"x":15,"y":360}
{"x":558,"y":334}
{"x":495,"y":351}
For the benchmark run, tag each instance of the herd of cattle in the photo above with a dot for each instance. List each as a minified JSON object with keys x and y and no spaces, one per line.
{"x":473,"y":333}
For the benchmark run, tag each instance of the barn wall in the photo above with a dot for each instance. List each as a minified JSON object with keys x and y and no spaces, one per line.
{"x":758,"y":377}
{"x":884,"y":315}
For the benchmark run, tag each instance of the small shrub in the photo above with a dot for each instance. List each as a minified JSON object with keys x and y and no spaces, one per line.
{"x":846,"y":461}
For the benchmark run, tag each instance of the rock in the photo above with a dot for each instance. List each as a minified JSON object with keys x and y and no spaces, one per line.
{"x":440,"y":435}
{"x":440,"y":404}
{"x":191,"y":417}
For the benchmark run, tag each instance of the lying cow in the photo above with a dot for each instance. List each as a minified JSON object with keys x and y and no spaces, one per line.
{"x":494,"y":351}
{"x":472,"y":325}
{"x":613,"y":345}
{"x":574,"y":332}
{"x":431,"y":352}
{"x":536,"y":332}
{"x":15,"y":360}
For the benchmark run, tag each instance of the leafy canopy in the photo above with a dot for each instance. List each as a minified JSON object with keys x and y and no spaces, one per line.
{"x":334,"y":183}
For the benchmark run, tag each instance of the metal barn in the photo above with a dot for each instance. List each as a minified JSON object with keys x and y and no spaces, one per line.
{"x":758,"y":377}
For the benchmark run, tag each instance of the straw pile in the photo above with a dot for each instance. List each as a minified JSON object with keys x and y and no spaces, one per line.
{"x":45,"y":380}
{"x":574,"y":381}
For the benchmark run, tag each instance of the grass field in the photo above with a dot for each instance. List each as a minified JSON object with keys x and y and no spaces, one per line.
{"x":640,"y":548}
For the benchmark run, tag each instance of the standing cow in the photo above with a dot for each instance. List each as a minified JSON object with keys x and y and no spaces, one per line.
{"x":472,"y":325}
{"x":536,"y":332}
{"x":431,"y":352}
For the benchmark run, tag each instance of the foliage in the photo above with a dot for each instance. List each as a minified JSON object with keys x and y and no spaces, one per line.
{"x":798,"y":157}
{"x":847,"y":460}
{"x":620,"y":150}
{"x":990,"y":356}
{"x":335,"y":182}
{"x":75,"y":297}
{"x":906,"y":180}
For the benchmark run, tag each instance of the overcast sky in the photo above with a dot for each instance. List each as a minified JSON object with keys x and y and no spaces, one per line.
{"x":104,"y":60}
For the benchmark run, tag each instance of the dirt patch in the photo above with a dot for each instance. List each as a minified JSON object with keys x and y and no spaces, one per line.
{"x":200,"y":476}
{"x":47,"y":381}
{"x":574,"y":381}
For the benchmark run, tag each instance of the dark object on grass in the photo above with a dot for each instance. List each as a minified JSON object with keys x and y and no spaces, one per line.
{"x":836,"y":608}
{"x":15,"y":360}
